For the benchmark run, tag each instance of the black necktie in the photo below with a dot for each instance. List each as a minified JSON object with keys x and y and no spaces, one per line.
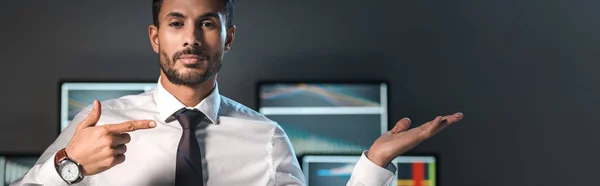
{"x":189,"y":158}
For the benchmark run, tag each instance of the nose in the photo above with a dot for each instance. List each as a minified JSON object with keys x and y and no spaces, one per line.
{"x":193,"y":36}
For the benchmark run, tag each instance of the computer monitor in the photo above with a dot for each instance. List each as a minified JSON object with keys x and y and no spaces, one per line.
{"x":325,"y":170}
{"x":327,"y":117}
{"x":13,"y":167}
{"x":76,"y":95}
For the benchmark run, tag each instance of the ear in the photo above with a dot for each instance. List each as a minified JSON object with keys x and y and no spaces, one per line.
{"x":153,"y":34}
{"x":229,"y":38}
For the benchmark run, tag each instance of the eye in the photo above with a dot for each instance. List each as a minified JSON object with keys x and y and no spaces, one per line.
{"x":207,"y":24}
{"x":176,"y":24}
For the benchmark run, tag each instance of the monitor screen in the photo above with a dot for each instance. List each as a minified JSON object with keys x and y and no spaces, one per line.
{"x":77,"y":95}
{"x":13,"y":167}
{"x":324,"y":170}
{"x":327,"y":117}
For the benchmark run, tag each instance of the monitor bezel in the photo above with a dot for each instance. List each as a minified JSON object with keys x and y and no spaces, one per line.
{"x":262,"y":82}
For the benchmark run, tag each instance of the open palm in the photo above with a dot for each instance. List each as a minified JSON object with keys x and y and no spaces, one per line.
{"x":399,"y":140}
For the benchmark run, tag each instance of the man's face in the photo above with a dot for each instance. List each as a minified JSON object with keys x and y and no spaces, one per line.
{"x":191,"y":39}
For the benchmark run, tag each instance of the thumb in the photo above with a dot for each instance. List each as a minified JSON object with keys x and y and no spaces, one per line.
{"x":401,"y":125}
{"x":92,"y":117}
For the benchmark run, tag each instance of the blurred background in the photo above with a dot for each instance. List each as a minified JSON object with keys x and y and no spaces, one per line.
{"x":522,"y":71}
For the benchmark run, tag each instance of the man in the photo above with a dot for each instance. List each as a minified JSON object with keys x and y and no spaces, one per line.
{"x":184,"y":132}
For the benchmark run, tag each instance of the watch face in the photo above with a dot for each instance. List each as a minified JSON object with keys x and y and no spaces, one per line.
{"x":69,"y":171}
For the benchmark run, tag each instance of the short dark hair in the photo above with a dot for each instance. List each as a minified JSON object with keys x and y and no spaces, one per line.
{"x":157,"y":4}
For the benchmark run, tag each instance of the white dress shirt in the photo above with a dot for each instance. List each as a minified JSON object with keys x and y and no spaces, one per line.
{"x":239,"y":147}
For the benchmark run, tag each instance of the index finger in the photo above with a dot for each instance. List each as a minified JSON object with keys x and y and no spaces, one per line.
{"x":454,"y":117}
{"x":439,"y":123}
{"x":129,"y":126}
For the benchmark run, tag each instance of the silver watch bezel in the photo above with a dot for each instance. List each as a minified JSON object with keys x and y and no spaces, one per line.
{"x":63,"y":164}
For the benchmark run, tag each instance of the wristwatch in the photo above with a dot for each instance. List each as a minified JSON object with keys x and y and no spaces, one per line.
{"x":69,"y":170}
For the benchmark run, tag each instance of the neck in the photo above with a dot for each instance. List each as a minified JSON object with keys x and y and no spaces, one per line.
{"x":190,"y":96}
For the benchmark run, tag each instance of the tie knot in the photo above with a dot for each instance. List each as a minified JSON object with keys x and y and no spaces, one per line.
{"x":189,"y":118}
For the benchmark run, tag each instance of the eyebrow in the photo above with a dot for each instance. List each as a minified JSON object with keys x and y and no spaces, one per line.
{"x":180,"y":15}
{"x":210,"y":14}
{"x":174,"y":14}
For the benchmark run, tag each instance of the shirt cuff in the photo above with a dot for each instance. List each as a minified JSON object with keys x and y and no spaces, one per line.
{"x":369,"y":173}
{"x":48,"y":174}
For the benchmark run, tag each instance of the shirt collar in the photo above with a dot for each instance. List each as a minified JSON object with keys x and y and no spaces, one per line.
{"x":167,"y":104}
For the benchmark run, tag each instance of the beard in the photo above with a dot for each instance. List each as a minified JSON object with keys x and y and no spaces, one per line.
{"x":192,"y":78}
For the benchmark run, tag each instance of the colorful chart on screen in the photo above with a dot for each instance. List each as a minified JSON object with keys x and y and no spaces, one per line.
{"x":327,"y":117}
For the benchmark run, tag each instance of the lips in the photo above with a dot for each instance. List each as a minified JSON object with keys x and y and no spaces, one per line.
{"x":190,"y":59}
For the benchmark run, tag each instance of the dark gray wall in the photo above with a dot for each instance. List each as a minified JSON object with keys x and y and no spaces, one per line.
{"x":522,"y":71}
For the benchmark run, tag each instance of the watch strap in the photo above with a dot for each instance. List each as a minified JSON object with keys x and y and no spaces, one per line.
{"x":59,"y":157}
